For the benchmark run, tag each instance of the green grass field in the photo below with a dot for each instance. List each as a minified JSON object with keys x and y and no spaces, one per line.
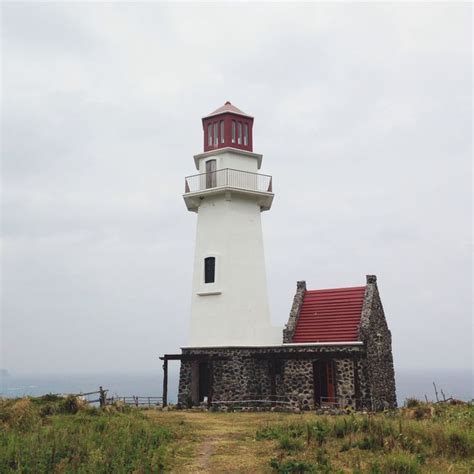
{"x":63,"y":435}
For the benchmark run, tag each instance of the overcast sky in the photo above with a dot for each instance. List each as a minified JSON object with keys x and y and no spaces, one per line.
{"x":362,"y":113}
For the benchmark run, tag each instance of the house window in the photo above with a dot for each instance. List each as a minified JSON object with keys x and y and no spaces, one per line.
{"x":233,"y":131}
{"x":209,"y":134}
{"x":216,"y":134}
{"x":239,"y":140}
{"x":246,"y":134}
{"x":209,"y":269}
{"x":222,"y":131}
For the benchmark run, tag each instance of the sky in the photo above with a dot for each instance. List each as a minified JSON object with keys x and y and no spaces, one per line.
{"x":363,"y":113}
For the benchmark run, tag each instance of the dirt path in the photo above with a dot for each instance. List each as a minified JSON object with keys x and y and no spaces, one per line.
{"x":218,"y":442}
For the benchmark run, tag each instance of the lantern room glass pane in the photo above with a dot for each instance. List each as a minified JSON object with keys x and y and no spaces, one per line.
{"x":222,"y":131}
{"x":216,"y":133}
{"x":209,"y":134}
{"x":233,"y":131}
{"x":239,"y":140}
{"x":246,"y":134}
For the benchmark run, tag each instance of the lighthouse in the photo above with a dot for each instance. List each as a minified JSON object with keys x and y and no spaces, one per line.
{"x":336,"y":349}
{"x":228,"y":193}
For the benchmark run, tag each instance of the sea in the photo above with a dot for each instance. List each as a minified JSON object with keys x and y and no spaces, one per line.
{"x":417,"y":383}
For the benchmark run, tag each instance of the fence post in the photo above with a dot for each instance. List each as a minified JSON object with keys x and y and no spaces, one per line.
{"x":165,"y":382}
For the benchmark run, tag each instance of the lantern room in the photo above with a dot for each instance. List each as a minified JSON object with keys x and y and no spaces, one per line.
{"x":227,"y":126}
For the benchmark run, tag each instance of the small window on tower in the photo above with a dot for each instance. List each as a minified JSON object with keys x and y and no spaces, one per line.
{"x":239,"y":140}
{"x":233,"y":131}
{"x":246,"y":134}
{"x":216,"y":132}
{"x":222,"y":131}
{"x":209,"y":269}
{"x":209,"y":134}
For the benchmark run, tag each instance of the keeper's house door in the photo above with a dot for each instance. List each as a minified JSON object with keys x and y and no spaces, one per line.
{"x":324,"y":378}
{"x":201,"y":382}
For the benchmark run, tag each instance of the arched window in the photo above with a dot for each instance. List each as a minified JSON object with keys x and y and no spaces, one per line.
{"x":209,"y":269}
{"x":209,"y":134}
{"x":233,"y":131}
{"x":216,"y":134}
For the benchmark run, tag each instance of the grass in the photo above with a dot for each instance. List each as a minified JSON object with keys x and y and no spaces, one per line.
{"x":419,"y":438}
{"x":63,"y":435}
{"x":53,"y":434}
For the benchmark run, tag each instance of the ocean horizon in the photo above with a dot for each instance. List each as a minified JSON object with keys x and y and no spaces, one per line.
{"x":409,"y":383}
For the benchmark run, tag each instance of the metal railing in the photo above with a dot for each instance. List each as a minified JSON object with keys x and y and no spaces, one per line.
{"x":228,"y":177}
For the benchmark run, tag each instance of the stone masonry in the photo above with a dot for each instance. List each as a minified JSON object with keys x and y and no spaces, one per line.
{"x":364,"y":373}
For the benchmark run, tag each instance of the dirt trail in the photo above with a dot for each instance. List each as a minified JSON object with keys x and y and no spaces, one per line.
{"x":218,"y":442}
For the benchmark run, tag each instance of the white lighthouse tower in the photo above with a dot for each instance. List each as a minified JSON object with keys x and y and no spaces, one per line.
{"x":229,"y":299}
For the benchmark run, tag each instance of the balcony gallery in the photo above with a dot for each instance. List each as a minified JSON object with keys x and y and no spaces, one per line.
{"x":227,"y":179}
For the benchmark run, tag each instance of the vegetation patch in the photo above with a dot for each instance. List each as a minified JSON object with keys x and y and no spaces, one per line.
{"x":420,"y":437}
{"x":65,"y":435}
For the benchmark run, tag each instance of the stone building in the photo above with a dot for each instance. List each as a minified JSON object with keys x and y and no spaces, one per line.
{"x":335,"y":350}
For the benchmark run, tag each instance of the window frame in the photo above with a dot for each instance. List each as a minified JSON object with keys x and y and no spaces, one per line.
{"x":216,"y":133}
{"x":209,"y":134}
{"x":210,"y":270}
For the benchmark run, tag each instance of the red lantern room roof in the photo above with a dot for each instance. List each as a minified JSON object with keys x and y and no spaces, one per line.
{"x":227,"y":108}
{"x":227,"y":127}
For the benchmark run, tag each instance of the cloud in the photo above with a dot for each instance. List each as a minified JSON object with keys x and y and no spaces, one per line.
{"x":363,"y":113}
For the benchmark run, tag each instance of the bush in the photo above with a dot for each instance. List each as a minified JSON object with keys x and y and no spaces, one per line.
{"x":412,"y":402}
{"x":20,"y":414}
{"x":289,"y":444}
{"x":293,"y":466}
{"x":400,"y":464}
{"x":321,"y":432}
{"x":460,"y":443}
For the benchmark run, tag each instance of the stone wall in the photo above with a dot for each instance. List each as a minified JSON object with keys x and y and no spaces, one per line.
{"x":290,"y":328}
{"x":377,"y":338}
{"x":245,"y":374}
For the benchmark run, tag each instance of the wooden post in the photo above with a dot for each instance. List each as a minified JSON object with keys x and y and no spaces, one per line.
{"x":211,"y":383}
{"x":165,"y":382}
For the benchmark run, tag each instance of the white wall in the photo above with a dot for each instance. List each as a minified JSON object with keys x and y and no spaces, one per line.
{"x":243,"y":162}
{"x":234,"y":309}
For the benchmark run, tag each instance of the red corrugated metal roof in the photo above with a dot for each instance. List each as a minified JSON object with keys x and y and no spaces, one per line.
{"x":330,"y":315}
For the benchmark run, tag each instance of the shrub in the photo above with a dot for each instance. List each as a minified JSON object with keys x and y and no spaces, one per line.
{"x":268,"y":432}
{"x":21,"y":414}
{"x":293,"y":466}
{"x":460,"y":443}
{"x":289,"y":444}
{"x":321,"y":432}
{"x":370,"y":443}
{"x":72,"y":404}
{"x":400,"y":464}
{"x":412,"y":402}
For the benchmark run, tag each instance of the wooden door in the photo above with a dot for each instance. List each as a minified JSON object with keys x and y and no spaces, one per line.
{"x":324,"y":382}
{"x":203,"y":380}
{"x":210,"y":174}
{"x":330,"y":383}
